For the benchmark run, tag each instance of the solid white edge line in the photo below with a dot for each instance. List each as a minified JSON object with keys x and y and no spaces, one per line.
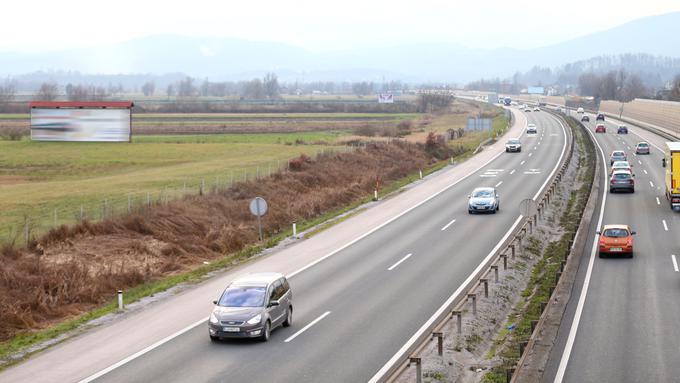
{"x":312,"y":323}
{"x":584,"y":290}
{"x":142,"y":352}
{"x":180,"y":332}
{"x":448,"y":224}
{"x":378,"y":375}
{"x":400,"y":261}
{"x":665,"y":226}
{"x":675,"y":263}
{"x":658,"y":202}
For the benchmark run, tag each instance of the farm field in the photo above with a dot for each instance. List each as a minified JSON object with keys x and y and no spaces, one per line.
{"x":39,"y":179}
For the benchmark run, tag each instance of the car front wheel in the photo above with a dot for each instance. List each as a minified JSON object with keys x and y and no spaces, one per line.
{"x":266,"y":331}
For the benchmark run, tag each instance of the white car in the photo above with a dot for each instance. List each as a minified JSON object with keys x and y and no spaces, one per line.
{"x":513,"y":145}
{"x":537,"y":109}
{"x":531,"y":129}
{"x":621,"y":165}
{"x":580,"y":111}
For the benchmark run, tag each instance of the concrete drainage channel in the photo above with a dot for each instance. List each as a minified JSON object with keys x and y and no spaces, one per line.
{"x":441,"y":352}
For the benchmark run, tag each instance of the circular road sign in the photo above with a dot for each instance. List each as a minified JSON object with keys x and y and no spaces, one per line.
{"x":258,"y":206}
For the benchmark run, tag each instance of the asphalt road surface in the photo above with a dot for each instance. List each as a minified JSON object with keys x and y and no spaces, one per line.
{"x":626,"y":328}
{"x":353,"y":311}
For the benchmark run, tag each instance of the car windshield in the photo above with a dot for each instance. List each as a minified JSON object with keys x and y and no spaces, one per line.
{"x":513,"y":142}
{"x":243,"y":296}
{"x":482,"y":194}
{"x":642,"y":145}
{"x":616,"y":233}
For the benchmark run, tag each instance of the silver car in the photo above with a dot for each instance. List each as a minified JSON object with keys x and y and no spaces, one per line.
{"x":485,"y":200}
{"x":513,"y":145}
{"x":251,"y":307}
{"x":531,"y":129}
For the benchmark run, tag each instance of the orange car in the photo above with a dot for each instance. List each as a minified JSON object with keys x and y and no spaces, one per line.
{"x":615,"y":240}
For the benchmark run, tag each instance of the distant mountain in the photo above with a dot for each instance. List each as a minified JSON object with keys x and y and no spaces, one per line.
{"x":236,"y":59}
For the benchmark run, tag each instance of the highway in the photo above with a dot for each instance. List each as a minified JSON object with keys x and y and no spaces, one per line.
{"x":366,"y":301}
{"x":621,"y":324}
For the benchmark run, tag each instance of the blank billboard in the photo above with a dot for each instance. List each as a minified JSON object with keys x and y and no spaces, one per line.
{"x":99,"y":125}
{"x":536,"y":90}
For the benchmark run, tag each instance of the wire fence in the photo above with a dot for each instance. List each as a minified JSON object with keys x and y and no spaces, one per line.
{"x":37,"y":221}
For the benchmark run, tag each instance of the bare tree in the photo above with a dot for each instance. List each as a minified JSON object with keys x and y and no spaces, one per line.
{"x":7,"y":94}
{"x":48,"y":91}
{"x":148,"y":88}
{"x":271,"y":85}
{"x":675,"y":90}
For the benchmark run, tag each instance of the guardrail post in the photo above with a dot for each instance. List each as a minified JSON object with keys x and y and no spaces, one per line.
{"x":562,"y":263}
{"x":440,"y":342}
{"x":486,"y":286}
{"x":509,"y":373}
{"x":505,"y":261}
{"x":557,"y":276}
{"x":419,"y":368}
{"x":522,"y":346}
{"x":512,"y":251}
{"x":474,"y":303}
{"x":552,"y":289}
{"x":543,"y":305}
{"x":495,"y":273}
{"x":459,"y":320}
{"x":531,"y":229}
{"x":534,"y":323}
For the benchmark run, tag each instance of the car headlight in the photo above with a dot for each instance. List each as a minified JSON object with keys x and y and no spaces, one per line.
{"x":213,"y":318}
{"x":255,"y":320}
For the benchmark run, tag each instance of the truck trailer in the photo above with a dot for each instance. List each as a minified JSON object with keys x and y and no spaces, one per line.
{"x":671,"y":161}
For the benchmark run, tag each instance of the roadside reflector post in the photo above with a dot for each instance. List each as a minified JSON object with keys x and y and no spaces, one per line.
{"x":459,"y":320}
{"x":440,"y":342}
{"x":120,"y":300}
{"x":294,"y":230}
{"x":419,"y":368}
{"x":474,"y":303}
{"x":421,"y":173}
{"x":495,"y":273}
{"x":486,"y":287}
{"x":375,"y":194}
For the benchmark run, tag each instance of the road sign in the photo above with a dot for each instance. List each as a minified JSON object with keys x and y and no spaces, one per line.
{"x":258,"y":206}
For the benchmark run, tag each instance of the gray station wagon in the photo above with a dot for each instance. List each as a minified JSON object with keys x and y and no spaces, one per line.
{"x":251,"y":307}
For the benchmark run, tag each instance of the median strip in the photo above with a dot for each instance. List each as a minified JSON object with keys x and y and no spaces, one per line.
{"x":315,"y":321}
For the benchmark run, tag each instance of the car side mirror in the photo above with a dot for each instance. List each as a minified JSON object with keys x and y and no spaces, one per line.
{"x":214,"y":302}
{"x":633,"y":233}
{"x":273,"y":303}
{"x":469,"y":196}
{"x":598,"y":232}
{"x":663,"y":162}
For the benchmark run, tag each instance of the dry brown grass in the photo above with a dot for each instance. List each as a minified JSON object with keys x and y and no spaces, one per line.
{"x":73,"y":269}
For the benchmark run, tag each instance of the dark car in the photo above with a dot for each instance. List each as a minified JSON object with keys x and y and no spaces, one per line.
{"x":622,"y":129}
{"x":600,"y":129}
{"x":585,"y":119}
{"x":251,"y":307}
{"x":621,"y":180}
{"x":600,"y":117}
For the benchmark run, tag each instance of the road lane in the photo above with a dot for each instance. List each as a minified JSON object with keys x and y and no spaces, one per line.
{"x":374,"y":311}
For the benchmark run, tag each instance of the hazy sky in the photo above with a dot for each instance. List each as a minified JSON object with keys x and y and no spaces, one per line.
{"x":317,"y":24}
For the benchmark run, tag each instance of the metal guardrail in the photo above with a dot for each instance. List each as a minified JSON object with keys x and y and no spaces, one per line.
{"x":506,"y":250}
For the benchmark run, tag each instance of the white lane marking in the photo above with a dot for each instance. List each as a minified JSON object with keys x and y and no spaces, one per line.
{"x":657,"y":201}
{"x":494,"y":170}
{"x":448,"y":224}
{"x":488,"y":175}
{"x":312,"y":323}
{"x":665,"y":226}
{"x":534,"y":148}
{"x":530,"y":154}
{"x":407,"y":256}
{"x":499,"y":184}
{"x":651,"y":184}
{"x":628,"y":147}
{"x":639,"y":162}
{"x":522,"y":163}
{"x":584,"y":290}
{"x":644,"y":170}
{"x":144,"y":351}
{"x":512,"y":172}
{"x":675,"y":263}
{"x":379,"y":375}
{"x":635,"y":154}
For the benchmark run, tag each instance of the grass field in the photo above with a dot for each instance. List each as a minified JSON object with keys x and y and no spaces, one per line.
{"x":39,"y":178}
